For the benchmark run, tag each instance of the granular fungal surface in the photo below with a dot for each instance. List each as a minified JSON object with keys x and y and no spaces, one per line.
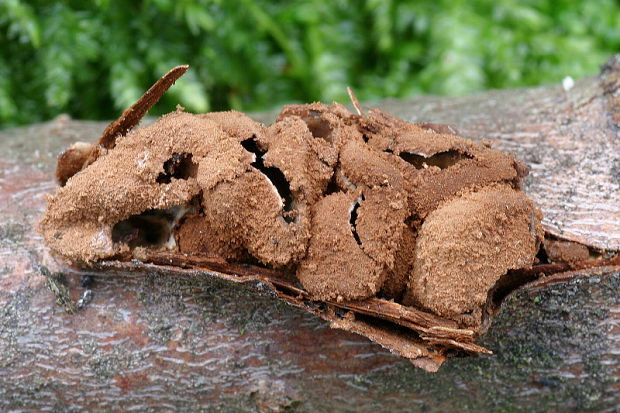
{"x":352,"y":206}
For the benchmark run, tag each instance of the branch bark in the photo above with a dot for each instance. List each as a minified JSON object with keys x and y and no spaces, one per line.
{"x":153,"y":340}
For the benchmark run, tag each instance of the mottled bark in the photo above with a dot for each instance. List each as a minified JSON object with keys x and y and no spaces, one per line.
{"x":169,"y":341}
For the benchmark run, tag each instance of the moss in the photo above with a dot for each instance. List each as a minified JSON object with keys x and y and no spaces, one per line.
{"x":6,"y":269}
{"x":106,"y":365}
{"x":56,"y":282}
{"x":11,"y":325}
{"x":12,"y":232}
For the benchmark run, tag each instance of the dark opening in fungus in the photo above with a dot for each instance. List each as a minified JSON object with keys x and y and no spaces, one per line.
{"x":180,"y":166}
{"x":275,"y":176}
{"x":442,"y":160}
{"x":152,"y":228}
{"x":319,"y":128}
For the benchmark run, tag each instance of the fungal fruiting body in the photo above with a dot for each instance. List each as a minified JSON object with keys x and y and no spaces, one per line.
{"x":354,"y":205}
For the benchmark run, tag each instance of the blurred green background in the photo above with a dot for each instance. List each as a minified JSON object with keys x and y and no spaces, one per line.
{"x":92,"y":59}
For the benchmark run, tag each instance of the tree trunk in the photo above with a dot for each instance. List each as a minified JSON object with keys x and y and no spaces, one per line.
{"x":165,"y":341}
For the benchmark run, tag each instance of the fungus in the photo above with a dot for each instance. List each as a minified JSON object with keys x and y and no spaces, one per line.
{"x":352,"y":206}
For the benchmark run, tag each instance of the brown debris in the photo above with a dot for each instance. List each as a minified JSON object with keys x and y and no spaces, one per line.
{"x":132,"y":115}
{"x":80,"y":155}
{"x":559,"y":251}
{"x":354,"y":101}
{"x":71,"y":161}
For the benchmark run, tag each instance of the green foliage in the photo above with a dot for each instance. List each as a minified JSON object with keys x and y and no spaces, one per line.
{"x":94,"y":58}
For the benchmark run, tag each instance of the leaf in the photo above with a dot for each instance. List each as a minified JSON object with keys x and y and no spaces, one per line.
{"x":22,"y":22}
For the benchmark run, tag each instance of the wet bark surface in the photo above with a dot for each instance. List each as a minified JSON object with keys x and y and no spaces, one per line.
{"x":161,"y":341}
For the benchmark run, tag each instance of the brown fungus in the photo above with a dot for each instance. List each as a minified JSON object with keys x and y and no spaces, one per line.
{"x":466,"y":245}
{"x":336,"y":266}
{"x":222,"y":184}
{"x":349,"y":209}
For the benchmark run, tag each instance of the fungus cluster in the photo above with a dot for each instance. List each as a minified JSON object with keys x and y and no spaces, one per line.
{"x":355,"y":205}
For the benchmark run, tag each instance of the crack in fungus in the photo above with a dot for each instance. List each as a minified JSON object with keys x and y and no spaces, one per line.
{"x":353,"y":220}
{"x":275,"y":176}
